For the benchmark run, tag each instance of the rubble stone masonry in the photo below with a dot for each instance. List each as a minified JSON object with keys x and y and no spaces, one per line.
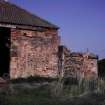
{"x":38,"y":53}
{"x":78,"y":65}
{"x":34,"y":53}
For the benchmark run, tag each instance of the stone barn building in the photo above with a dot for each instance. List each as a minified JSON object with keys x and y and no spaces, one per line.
{"x":30,"y":46}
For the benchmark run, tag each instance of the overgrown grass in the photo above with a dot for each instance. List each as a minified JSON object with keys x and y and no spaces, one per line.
{"x":85,"y":92}
{"x":25,"y":96}
{"x":42,"y":96}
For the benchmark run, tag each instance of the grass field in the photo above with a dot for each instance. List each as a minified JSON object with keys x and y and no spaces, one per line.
{"x":48,"y":93}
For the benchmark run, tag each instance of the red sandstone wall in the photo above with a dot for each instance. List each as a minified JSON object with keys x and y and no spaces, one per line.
{"x":34,"y":53}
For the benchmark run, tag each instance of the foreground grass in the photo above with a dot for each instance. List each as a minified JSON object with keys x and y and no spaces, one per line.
{"x":43,"y":96}
{"x":25,"y":96}
{"x":48,"y":91}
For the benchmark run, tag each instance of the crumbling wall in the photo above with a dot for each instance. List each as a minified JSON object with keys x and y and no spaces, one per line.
{"x":65,"y":69}
{"x":34,"y":53}
{"x":77,"y":65}
{"x":90,"y":67}
{"x":70,"y":64}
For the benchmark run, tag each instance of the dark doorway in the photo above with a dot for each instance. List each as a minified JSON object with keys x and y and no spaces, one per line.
{"x":4,"y":51}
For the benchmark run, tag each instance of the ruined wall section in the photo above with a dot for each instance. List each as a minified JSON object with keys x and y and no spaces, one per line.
{"x":90,"y":67}
{"x":34,"y":53}
{"x":81,"y":65}
{"x":70,"y":63}
{"x":73,"y":63}
{"x":77,"y":65}
{"x":65,"y":69}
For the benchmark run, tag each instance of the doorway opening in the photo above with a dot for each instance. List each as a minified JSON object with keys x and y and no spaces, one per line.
{"x":4,"y":51}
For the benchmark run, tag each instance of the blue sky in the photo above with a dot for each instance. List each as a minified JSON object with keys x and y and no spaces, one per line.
{"x":81,"y":22}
